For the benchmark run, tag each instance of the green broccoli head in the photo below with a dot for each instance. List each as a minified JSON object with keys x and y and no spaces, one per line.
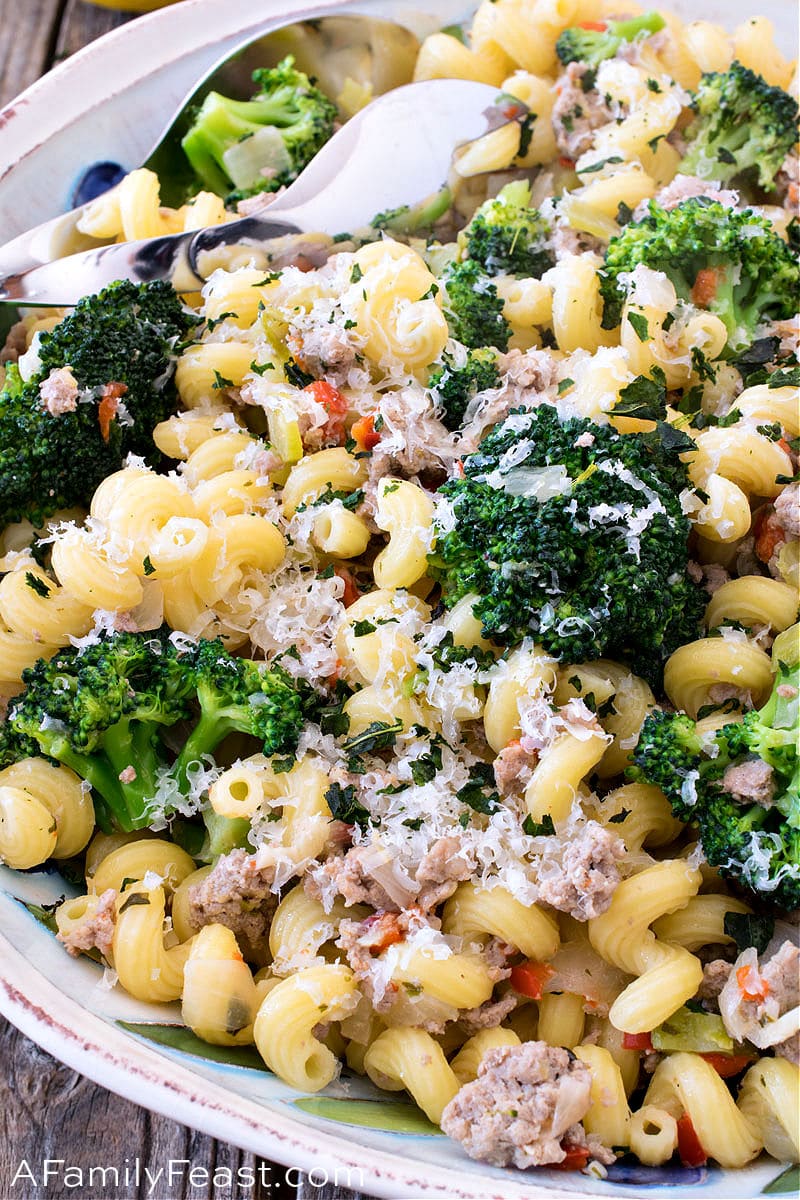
{"x":595,"y":41}
{"x":98,"y":711}
{"x":121,"y":347}
{"x":237,"y":695}
{"x":473,"y":308}
{"x":508,"y":237}
{"x":455,"y":386}
{"x":103,"y":711}
{"x":572,"y":533}
{"x":743,"y":125}
{"x":712,"y":781}
{"x":755,"y":274}
{"x":241,"y":147}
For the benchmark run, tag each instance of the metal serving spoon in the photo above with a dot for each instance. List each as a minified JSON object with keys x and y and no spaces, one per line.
{"x":397,"y":151}
{"x":377,"y":53}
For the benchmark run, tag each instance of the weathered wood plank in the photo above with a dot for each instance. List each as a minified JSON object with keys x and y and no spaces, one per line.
{"x":109,"y":1144}
{"x":82,"y":23}
{"x":28,"y":31}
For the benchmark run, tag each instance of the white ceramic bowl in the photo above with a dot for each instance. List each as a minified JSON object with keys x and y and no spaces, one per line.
{"x":110,"y":101}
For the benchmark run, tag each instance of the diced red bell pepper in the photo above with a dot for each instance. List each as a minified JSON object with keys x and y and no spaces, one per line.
{"x":529,"y":978}
{"x":690,"y":1150}
{"x":351,"y":592}
{"x":705,"y":287}
{"x":637,"y":1041}
{"x":576,"y":1159}
{"x":364,"y":432}
{"x":727,"y":1065}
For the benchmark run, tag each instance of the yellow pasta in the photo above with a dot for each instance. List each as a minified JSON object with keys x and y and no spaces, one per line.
{"x":668,"y":975}
{"x":287,"y":1017}
{"x":411,"y":1059}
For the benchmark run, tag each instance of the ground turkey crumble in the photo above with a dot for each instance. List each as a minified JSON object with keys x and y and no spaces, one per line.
{"x":488,"y":1015}
{"x":787,"y":510}
{"x":750,"y":780}
{"x":59,"y":391}
{"x":237,"y":894}
{"x":524,"y":1109}
{"x":325,"y":351}
{"x":715,"y":976}
{"x":577,"y":113}
{"x":96,"y":930}
{"x":439,"y":872}
{"x":582,"y":879}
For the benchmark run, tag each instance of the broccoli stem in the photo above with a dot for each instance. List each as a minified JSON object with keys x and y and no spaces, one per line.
{"x":223,"y":834}
{"x":207,"y":734}
{"x":626,"y":31}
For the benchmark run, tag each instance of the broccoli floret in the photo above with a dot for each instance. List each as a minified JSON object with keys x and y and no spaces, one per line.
{"x":758,"y":845}
{"x":455,"y":386}
{"x":572,"y":533}
{"x":707,"y":250}
{"x":408,"y":219}
{"x":237,"y":695}
{"x":103,"y":711}
{"x":508,"y":237}
{"x":241,"y":147}
{"x":743,"y":125}
{"x":473,"y":308}
{"x":595,"y":41}
{"x":127,"y":335}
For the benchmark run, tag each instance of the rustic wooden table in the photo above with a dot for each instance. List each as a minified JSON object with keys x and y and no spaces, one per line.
{"x":46,"y":1110}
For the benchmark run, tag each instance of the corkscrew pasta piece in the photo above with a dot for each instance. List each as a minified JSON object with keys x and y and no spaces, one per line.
{"x":700,"y":923}
{"x":62,"y":794}
{"x":668,"y":975}
{"x":561,"y":1019}
{"x":653,"y":1135}
{"x":301,"y":928}
{"x":137,"y":858}
{"x":27,"y":829}
{"x":686,"y":1083}
{"x":753,"y":600}
{"x":220,"y":997}
{"x":465,"y":1064}
{"x":147,"y":968}
{"x":395,"y":306}
{"x":769,"y":1099}
{"x":405,"y":512}
{"x":526,"y":671}
{"x":411,"y":1059}
{"x":476,"y":914}
{"x":647,"y":818}
{"x":287,"y":1017}
{"x":609,"y":1117}
{"x":696,"y":669}
{"x":36,"y":609}
{"x":577,"y":304}
{"x":335,"y":469}
{"x":561,"y":767}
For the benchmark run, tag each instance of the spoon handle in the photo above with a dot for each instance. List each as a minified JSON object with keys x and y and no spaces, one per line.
{"x":185,"y":259}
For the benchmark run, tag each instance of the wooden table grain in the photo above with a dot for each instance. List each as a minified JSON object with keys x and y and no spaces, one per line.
{"x":48,"y":1111}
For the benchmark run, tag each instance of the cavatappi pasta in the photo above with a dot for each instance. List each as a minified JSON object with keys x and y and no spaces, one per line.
{"x":456,"y":873}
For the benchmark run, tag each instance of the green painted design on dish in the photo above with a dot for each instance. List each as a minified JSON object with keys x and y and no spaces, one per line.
{"x":787,"y":1181}
{"x":178,"y":1037}
{"x":393,"y":1115}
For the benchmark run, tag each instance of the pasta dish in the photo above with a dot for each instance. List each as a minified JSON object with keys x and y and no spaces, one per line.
{"x":398,"y":638}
